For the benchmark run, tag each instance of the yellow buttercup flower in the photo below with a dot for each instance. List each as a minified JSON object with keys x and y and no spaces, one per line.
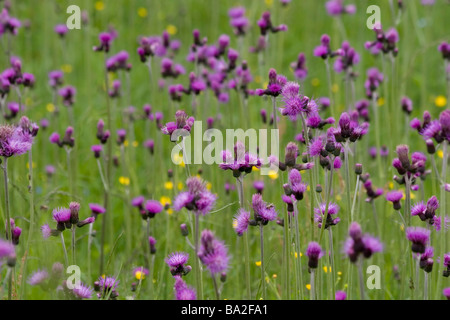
{"x":168,"y":185}
{"x":380,"y":101}
{"x":208,"y":185}
{"x":126,"y":143}
{"x":440,"y":101}
{"x":171,"y":29}
{"x":165,"y":200}
{"x":50,"y":107}
{"x":269,"y":3}
{"x":99,"y":6}
{"x":255,"y":169}
{"x":326,"y":269}
{"x":66,"y":68}
{"x":142,"y":12}
{"x":440,"y":154}
{"x":274,"y":276}
{"x":391,"y":185}
{"x":308,"y":286}
{"x":124,"y":181}
{"x":315,"y":82}
{"x":258,"y":263}
{"x":32,"y":164}
{"x":139,"y":275}
{"x":273,"y":174}
{"x":178,"y":160}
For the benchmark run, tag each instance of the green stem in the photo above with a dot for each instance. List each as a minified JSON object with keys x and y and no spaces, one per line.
{"x":361,"y":279}
{"x":198,"y":275}
{"x":66,"y":258}
{"x":240,"y":188}
{"x":263,"y":275}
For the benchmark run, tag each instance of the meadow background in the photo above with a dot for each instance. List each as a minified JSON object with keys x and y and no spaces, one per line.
{"x":419,"y":74}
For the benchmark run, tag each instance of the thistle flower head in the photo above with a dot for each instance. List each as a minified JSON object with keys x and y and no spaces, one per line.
{"x":314,"y":252}
{"x":419,"y":238}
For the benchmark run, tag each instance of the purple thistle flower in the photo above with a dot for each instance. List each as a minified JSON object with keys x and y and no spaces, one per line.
{"x":83,"y":292}
{"x":68,"y":95}
{"x":61,"y":216}
{"x":183,"y":291}
{"x":38,"y":277}
{"x":97,"y":149}
{"x":7,"y":252}
{"x":437,"y":223}
{"x":419,"y":238}
{"x":14,"y":141}
{"x":371,"y":245}
{"x":395,"y":197}
{"x":426,"y":260}
{"x":106,"y":39}
{"x":55,"y":78}
{"x":340,"y":295}
{"x":153,"y":207}
{"x":446,"y":293}
{"x":182,"y":122}
{"x":213,"y":253}
{"x":106,"y":285}
{"x":96,"y":209}
{"x":61,"y":30}
{"x":314,"y":252}
{"x":176,"y":261}
{"x":263,"y":212}
{"x":241,"y":221}
{"x":315,"y":146}
{"x":319,"y":213}
{"x":300,"y":70}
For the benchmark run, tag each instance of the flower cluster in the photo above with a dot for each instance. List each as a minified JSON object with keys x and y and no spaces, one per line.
{"x":358,"y":244}
{"x":385,"y":42}
{"x":65,"y":218}
{"x":197,"y":199}
{"x":239,"y":161}
{"x":213,"y":253}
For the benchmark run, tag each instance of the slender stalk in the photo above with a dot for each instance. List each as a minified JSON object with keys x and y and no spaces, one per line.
{"x":216,"y":289}
{"x":100,"y":170}
{"x":147,"y":254}
{"x":330,"y":92}
{"x":425,"y":287}
{"x":73,"y":244}
{"x":347,"y":182}
{"x":91,"y":225}
{"x":417,"y":270}
{"x":31,"y":228}
{"x":352,"y":212}
{"x":8,"y":215}
{"x":297,"y":241}
{"x":377,"y":134}
{"x":240,"y":188}
{"x":196,"y":260}
{"x":274,"y":112}
{"x":66,"y":258}
{"x":263,"y":271}
{"x":443,"y":234}
{"x":183,"y":146}
{"x":361,"y":279}
{"x":332,"y":268}
{"x":313,"y":289}
{"x":107,"y":198}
